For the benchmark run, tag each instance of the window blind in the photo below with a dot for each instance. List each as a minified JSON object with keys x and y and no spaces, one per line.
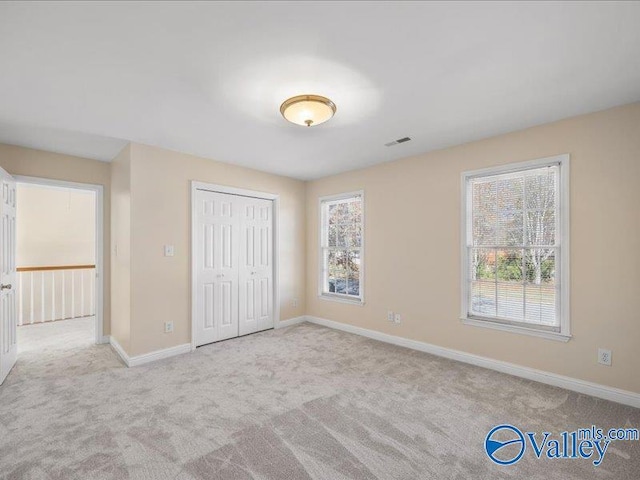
{"x":341,"y":243}
{"x":513,"y":249}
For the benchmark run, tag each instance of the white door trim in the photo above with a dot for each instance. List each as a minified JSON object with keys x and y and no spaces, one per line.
{"x":211,"y":187}
{"x":101,"y":337}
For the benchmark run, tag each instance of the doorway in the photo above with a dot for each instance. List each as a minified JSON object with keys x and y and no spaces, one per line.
{"x":59,"y":259}
{"x":54,"y":298}
{"x":234,"y":262}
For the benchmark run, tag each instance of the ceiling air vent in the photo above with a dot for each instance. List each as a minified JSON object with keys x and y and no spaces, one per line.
{"x":396,"y":142}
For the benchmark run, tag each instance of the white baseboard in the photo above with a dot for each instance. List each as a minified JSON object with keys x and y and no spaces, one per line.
{"x":104,"y":340}
{"x":596,"y":390}
{"x":148,"y":357}
{"x":159,"y":354}
{"x":290,"y":321}
{"x":119,"y":350}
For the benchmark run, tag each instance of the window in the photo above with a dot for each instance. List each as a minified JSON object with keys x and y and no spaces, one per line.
{"x":515,"y":250}
{"x":341,"y":247}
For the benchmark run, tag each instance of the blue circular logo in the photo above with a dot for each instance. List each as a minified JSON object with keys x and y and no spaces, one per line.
{"x":505,"y":444}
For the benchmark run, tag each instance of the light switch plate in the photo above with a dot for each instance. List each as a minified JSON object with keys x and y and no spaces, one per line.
{"x":168,"y":251}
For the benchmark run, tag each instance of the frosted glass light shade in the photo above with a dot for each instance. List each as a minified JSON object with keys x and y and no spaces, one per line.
{"x":308,"y":110}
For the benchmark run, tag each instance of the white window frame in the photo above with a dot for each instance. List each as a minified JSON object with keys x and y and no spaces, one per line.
{"x":339,"y":297}
{"x":562,"y":240}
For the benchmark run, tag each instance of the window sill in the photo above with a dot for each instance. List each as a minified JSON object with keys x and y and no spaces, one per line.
{"x":335,"y":298}
{"x":557,"y":336}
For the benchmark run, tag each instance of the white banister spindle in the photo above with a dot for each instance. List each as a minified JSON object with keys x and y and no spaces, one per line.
{"x":42,"y":303}
{"x":20,"y":307}
{"x":73,"y":294}
{"x":92,"y":287}
{"x":82,"y":293}
{"x":64,"y":297}
{"x":53,"y":294}
{"x":31,"y":294}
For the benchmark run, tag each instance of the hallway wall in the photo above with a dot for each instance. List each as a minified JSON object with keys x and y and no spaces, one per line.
{"x":55,"y":226}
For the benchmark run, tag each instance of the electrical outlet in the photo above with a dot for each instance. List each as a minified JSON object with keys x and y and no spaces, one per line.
{"x":168,"y":327}
{"x":390,"y":316}
{"x":295,"y":303}
{"x":397,"y":318}
{"x":604,"y":357}
{"x":168,"y":251}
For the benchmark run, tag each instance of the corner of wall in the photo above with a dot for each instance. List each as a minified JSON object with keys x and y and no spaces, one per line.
{"x":121,"y":248}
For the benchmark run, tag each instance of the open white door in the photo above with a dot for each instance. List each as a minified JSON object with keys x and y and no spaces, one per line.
{"x":8,"y":312}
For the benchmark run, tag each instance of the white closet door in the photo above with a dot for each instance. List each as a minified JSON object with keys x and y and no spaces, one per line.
{"x":218,"y":220}
{"x":256,"y":265}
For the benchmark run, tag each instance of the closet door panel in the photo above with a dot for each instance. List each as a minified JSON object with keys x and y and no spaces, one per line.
{"x":264,"y":267}
{"x":256,"y":266}
{"x":247,"y":313}
{"x":217,"y":217}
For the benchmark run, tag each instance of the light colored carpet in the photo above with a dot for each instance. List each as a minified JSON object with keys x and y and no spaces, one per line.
{"x":297,"y":403}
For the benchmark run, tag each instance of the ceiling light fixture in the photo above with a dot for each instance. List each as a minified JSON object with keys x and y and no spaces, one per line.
{"x":308,"y":110}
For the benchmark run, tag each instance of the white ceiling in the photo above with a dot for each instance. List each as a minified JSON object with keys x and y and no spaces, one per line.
{"x":62,"y":141}
{"x":208,"y":78}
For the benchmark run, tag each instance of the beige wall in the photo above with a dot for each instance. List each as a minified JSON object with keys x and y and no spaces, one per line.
{"x":121,"y":248}
{"x":55,"y":226}
{"x":412,"y":239}
{"x":37,"y":163}
{"x":412,"y":242}
{"x":161,"y":214}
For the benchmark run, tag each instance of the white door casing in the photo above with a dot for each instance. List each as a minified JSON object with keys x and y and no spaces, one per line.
{"x":8,"y":276}
{"x":256,"y":266}
{"x":217,"y":248}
